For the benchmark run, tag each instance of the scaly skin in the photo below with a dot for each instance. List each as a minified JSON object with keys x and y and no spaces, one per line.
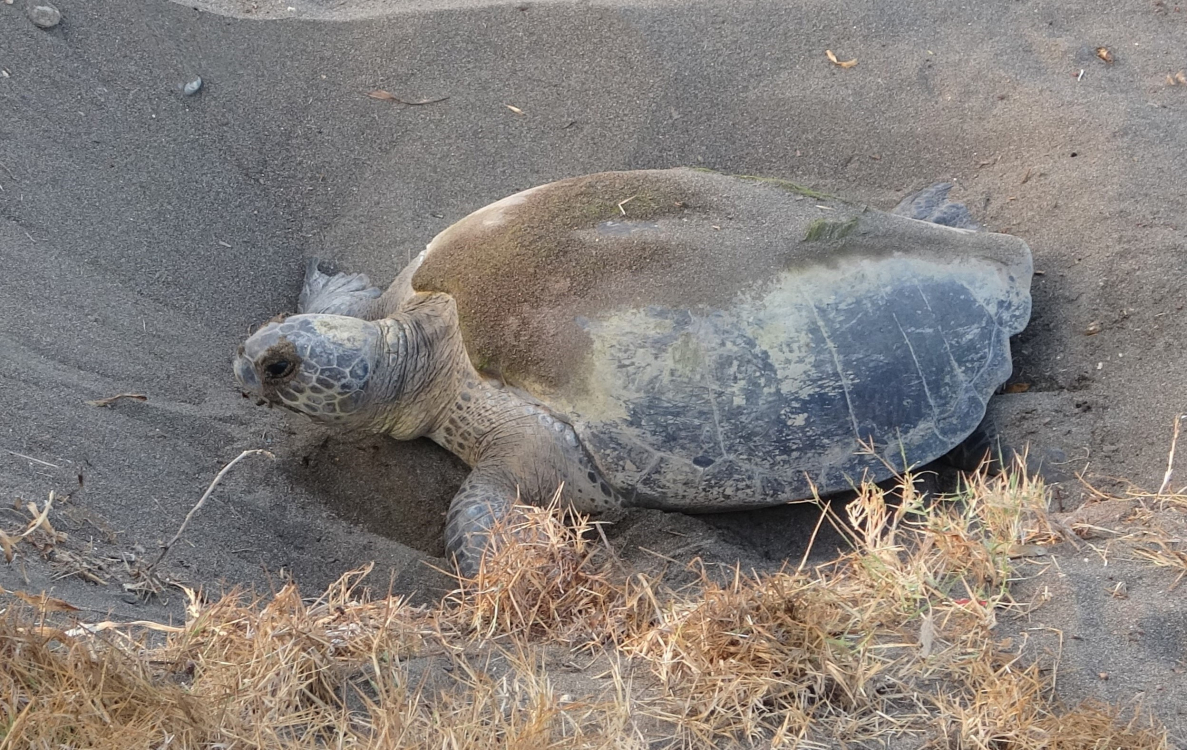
{"x":408,"y":375}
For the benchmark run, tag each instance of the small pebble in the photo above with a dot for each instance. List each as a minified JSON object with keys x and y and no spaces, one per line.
{"x":43,"y":15}
{"x":192,"y":87}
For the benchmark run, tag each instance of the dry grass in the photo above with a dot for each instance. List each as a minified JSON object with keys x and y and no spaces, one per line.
{"x":543,"y":577}
{"x":1149,"y":526}
{"x":897,"y":637}
{"x":283,"y":673}
{"x":879,"y":642}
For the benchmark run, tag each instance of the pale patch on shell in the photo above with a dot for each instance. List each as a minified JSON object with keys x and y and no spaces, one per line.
{"x":490,"y":216}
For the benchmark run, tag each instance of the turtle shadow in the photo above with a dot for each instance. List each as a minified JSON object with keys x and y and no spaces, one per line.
{"x":402,"y":490}
{"x":795,"y":533}
{"x":398,"y":490}
{"x":786,"y":534}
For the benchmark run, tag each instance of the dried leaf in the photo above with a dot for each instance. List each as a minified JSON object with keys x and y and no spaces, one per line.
{"x":112,"y":399}
{"x":40,"y":519}
{"x":927,"y":634}
{"x":1104,"y":54}
{"x":7,"y":545}
{"x":41,"y":601}
{"x":840,"y":64}
{"x":1017,"y":388}
{"x":99,"y":627}
{"x":1181,"y":77}
{"x":1026,"y":550}
{"x":388,"y":96}
{"x":516,"y":110}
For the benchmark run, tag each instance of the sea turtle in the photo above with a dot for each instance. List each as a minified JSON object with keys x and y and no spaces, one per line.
{"x":678,"y":339}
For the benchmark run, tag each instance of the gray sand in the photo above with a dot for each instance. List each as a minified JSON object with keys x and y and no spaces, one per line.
{"x":143,"y":232}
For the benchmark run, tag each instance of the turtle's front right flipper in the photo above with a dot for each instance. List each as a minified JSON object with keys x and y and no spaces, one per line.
{"x":338,"y":294}
{"x":487,"y":497}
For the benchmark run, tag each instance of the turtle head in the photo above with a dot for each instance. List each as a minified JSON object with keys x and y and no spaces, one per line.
{"x":318,"y":365}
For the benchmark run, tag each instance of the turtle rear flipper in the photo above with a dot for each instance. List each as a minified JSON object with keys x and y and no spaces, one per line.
{"x":932,"y":204}
{"x":338,"y":294}
{"x":983,"y":449}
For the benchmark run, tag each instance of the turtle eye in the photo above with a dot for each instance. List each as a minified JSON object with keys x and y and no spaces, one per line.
{"x":278,"y":369}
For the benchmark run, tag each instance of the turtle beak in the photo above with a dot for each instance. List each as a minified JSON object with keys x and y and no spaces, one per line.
{"x":245,"y":373}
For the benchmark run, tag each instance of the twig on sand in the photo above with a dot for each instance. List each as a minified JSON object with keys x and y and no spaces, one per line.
{"x":34,"y":460}
{"x":112,"y":399}
{"x":1170,"y":459}
{"x":824,"y":511}
{"x":194,"y":511}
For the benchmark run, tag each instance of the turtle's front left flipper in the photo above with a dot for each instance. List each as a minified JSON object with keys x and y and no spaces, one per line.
{"x":338,"y":294}
{"x":487,"y":497}
{"x":932,"y":204}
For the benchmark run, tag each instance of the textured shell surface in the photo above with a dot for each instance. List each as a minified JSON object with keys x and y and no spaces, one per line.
{"x":725,"y":342}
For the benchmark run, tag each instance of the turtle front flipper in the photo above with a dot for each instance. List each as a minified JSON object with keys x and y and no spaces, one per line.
{"x":488,"y":496}
{"x":338,"y":294}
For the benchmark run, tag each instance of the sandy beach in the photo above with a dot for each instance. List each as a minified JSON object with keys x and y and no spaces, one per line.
{"x":143,"y":232}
